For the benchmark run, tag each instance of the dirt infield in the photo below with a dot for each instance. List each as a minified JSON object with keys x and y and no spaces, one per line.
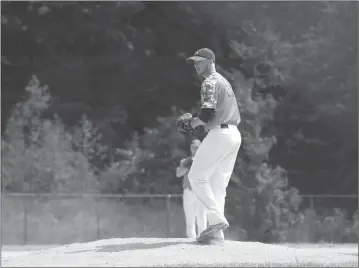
{"x":157,"y":252}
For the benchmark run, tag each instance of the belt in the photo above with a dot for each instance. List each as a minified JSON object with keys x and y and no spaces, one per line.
{"x":221,"y":126}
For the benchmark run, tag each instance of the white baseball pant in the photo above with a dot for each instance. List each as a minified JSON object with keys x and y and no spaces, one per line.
{"x":195,"y":213}
{"x":212,"y":168}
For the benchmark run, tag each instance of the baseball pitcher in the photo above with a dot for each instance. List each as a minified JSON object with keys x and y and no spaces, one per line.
{"x":215,"y":158}
{"x":194,"y":210}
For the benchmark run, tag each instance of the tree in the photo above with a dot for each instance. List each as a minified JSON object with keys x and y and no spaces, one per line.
{"x":317,"y":120}
{"x":123,"y":65}
{"x":260,"y":200}
{"x":162,"y":148}
{"x":38,"y":154}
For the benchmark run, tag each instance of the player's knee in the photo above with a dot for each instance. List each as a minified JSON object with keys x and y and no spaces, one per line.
{"x":197,"y":177}
{"x":192,"y":177}
{"x":220,"y":187}
{"x":196,"y":180}
{"x":219,"y":193}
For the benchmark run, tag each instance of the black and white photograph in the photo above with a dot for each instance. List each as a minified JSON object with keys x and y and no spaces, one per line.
{"x":179,"y":134}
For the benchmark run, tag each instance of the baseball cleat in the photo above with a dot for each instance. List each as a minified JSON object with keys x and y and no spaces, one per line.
{"x":213,"y":241}
{"x":206,"y":234}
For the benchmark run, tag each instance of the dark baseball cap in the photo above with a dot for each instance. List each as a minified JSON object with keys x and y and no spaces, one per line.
{"x":202,"y":54}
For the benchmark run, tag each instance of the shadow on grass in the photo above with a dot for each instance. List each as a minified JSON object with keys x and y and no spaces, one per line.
{"x":133,"y":246}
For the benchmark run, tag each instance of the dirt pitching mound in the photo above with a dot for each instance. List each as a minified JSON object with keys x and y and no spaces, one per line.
{"x":158,"y":252}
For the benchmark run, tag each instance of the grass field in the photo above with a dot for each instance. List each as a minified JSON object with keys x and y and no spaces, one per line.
{"x":157,"y":252}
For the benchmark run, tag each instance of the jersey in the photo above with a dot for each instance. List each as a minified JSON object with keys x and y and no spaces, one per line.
{"x":217,"y":93}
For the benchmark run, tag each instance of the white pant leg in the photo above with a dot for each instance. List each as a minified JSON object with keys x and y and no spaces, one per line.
{"x":213,"y":150}
{"x":189,"y":207}
{"x":201,"y":216}
{"x":219,"y":182}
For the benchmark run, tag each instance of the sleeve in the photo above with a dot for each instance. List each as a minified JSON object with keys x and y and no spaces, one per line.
{"x":207,"y":114}
{"x":208,"y":94}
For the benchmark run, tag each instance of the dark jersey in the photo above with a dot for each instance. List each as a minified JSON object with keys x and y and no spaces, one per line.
{"x":217,"y":93}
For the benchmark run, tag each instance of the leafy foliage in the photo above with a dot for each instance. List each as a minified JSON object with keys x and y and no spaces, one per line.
{"x":39,"y":155}
{"x":317,"y":120}
{"x":122,"y":65}
{"x":332,"y":226}
{"x":163,"y":147}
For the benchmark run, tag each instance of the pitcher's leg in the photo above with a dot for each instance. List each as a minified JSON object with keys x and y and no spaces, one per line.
{"x":201,"y":216}
{"x":207,"y":159}
{"x":220,"y":179}
{"x":219,"y":182}
{"x":189,"y":211}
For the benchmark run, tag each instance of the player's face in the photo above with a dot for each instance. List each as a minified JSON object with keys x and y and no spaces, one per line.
{"x":201,"y":66}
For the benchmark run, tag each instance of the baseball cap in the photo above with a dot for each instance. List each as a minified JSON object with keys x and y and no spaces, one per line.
{"x":202,"y":54}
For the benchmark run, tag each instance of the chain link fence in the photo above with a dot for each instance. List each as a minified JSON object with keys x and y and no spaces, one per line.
{"x":323,"y":202}
{"x":69,"y":218}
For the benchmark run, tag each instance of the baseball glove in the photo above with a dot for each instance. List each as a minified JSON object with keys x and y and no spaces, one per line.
{"x":183,"y":123}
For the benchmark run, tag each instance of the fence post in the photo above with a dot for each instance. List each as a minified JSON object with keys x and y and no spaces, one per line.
{"x":97,"y":222}
{"x":312,"y":202}
{"x":25,"y":222}
{"x":168,"y":218}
